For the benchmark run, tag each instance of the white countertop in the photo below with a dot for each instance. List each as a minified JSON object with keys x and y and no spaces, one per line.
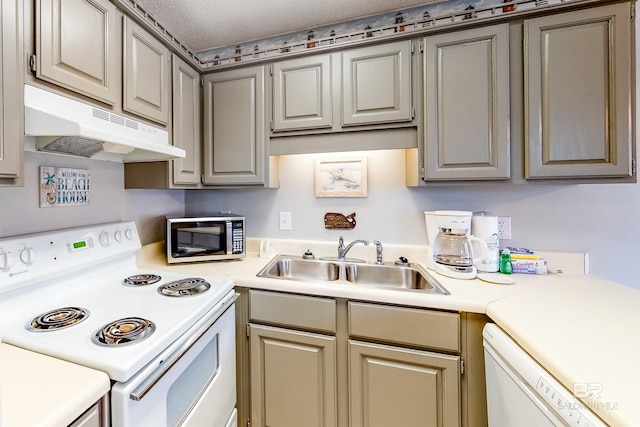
{"x":579,"y":327}
{"x":537,"y":311}
{"x":584,"y":332}
{"x":43,"y":391}
{"x":466,"y":295}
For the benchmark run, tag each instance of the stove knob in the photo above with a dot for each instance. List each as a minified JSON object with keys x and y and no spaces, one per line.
{"x":105,"y":239}
{"x":128,"y":234}
{"x":28,"y":255}
{"x":6,"y":260}
{"x":118,"y":236}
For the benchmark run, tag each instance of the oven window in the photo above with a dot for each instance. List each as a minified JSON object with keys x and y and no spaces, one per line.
{"x":188,"y":387}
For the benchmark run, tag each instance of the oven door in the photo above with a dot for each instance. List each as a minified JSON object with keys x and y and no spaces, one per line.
{"x":194,"y":386}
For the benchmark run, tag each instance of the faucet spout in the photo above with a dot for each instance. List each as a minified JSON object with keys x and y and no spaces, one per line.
{"x":342,"y":249}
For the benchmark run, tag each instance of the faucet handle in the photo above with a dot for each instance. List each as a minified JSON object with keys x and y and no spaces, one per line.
{"x":378,"y":251}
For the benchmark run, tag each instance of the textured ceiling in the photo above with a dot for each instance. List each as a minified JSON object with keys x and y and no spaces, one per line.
{"x":206,"y":24}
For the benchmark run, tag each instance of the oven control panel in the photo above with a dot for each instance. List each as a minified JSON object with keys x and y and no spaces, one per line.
{"x":27,"y":259}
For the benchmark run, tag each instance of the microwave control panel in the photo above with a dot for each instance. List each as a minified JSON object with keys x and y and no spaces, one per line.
{"x":237,"y":237}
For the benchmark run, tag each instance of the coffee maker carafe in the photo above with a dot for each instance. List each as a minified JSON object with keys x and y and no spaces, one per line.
{"x":452,"y":251}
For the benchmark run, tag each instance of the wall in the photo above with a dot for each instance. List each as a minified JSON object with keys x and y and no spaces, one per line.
{"x":20,"y":212}
{"x":600,"y":219}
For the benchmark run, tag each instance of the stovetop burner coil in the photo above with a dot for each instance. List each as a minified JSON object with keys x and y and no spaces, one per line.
{"x":184,"y":287}
{"x":141,"y":280}
{"x":128,"y":330}
{"x":57,"y":319}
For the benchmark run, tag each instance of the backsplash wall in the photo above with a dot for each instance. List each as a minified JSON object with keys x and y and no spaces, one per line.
{"x":596,"y":218}
{"x":109,"y":201}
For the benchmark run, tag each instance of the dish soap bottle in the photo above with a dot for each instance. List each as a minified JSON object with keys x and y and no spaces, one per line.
{"x":505,"y":262}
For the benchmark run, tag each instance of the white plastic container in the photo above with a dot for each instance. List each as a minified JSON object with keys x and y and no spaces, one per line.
{"x":484,"y":225}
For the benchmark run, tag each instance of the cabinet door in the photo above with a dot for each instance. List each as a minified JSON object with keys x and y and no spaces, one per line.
{"x":11,"y":117}
{"x":376,"y":85}
{"x":466,"y":93}
{"x":234,"y":127}
{"x":302,"y":94}
{"x":578,"y":93}
{"x":91,"y":418}
{"x":147,"y":74}
{"x":293,"y":378}
{"x":393,"y":386}
{"x":186,"y":122}
{"x":77,"y":46}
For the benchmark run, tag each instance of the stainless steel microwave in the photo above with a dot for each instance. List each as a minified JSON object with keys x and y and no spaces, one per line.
{"x":211,"y":238}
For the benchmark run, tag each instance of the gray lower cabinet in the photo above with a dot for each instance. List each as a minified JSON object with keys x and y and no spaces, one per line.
{"x":394,"y":386}
{"x":91,"y":418}
{"x":578,"y":92}
{"x":146,"y":83}
{"x":293,"y":378}
{"x":466,"y":105}
{"x":97,"y":415}
{"x":78,"y":47}
{"x":318,"y":361}
{"x":11,"y":118}
{"x":234,"y":128}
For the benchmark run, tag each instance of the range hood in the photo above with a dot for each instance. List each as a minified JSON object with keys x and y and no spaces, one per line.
{"x":66,"y":126}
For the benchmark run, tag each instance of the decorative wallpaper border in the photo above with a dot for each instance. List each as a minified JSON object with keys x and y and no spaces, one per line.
{"x":435,"y":13}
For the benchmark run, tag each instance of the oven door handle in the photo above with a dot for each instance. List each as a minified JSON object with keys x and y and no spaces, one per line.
{"x":149,"y":382}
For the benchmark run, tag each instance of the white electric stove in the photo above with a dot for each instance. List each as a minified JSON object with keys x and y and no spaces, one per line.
{"x":78,"y":295}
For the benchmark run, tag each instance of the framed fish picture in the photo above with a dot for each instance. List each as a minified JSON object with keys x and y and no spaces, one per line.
{"x":344,"y":177}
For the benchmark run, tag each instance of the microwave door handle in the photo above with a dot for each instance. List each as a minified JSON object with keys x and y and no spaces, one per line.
{"x":229,"y":235}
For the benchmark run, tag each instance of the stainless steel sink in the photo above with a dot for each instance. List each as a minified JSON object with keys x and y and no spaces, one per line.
{"x":286,"y":267}
{"x":409,"y":277}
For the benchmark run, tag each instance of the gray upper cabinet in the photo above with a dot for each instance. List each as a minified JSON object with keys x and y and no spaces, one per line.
{"x":234,"y":127}
{"x":147,"y":74}
{"x":356,"y":89}
{"x":186,"y":123}
{"x":376,"y":86}
{"x":302,"y":94}
{"x":11,"y":121}
{"x":578,"y":94}
{"x":466,"y":105}
{"x":77,"y":47}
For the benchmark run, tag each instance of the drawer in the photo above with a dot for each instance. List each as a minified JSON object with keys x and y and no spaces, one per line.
{"x":403,"y":325}
{"x":299,"y":311}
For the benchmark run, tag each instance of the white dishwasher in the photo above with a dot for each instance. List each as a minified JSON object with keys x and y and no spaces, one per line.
{"x":521,"y":393}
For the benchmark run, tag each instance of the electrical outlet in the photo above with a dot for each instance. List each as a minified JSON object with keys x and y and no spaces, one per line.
{"x":285,"y":221}
{"x":504,"y":227}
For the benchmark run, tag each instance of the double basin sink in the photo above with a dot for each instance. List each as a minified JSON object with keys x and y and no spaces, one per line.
{"x":407,"y":276}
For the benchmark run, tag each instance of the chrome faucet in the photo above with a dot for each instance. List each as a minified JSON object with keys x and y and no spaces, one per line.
{"x":342,"y":249}
{"x":378,"y":252}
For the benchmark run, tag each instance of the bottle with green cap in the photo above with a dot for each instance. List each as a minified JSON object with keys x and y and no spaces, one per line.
{"x":505,"y":262}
